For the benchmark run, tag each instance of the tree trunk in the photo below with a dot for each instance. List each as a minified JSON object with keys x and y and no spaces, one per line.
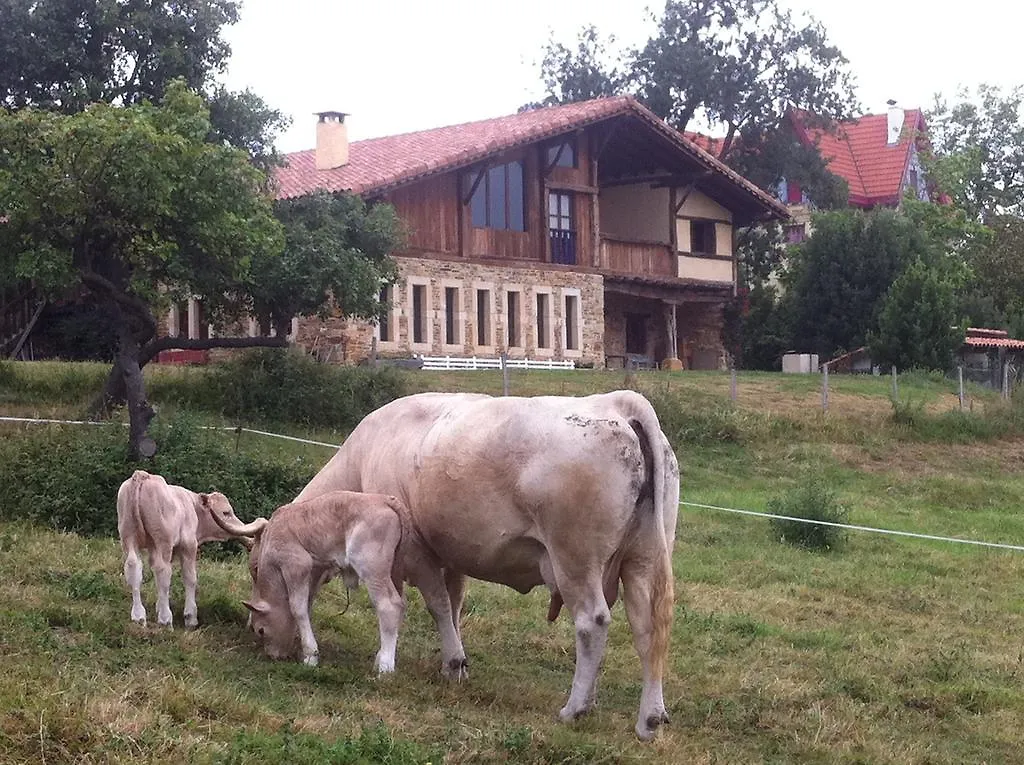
{"x":140,"y":413}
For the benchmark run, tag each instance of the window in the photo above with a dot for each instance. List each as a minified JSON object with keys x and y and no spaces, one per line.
{"x":572,"y":322}
{"x":543,"y":323}
{"x":384,"y":323}
{"x":451,"y":315}
{"x":419,"y":313}
{"x":483,"y":317}
{"x":512,"y":301}
{"x":563,"y":238}
{"x":702,"y":237}
{"x":498,"y":200}
{"x":562,"y":154}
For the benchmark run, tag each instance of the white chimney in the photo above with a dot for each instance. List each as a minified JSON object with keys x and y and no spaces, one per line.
{"x":894,"y":124}
{"x":331,"y":140}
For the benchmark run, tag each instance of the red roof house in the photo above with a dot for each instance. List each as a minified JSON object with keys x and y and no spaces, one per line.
{"x":877,"y":154}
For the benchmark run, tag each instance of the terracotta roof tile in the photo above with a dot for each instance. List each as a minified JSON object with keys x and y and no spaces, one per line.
{"x":378,"y":164}
{"x":858,"y":152}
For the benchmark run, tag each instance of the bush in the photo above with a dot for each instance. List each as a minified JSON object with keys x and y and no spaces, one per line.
{"x":272,"y":385}
{"x":815,"y":502}
{"x":67,"y":477}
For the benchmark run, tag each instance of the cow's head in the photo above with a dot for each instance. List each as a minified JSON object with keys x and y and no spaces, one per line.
{"x":225,"y":524}
{"x":273,"y":624}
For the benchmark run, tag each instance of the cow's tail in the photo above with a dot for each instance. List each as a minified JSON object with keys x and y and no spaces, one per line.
{"x":407,"y":543}
{"x":129,"y":511}
{"x":644,"y":421}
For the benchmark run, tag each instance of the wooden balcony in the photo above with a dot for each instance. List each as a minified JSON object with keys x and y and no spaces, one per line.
{"x":637,"y":258}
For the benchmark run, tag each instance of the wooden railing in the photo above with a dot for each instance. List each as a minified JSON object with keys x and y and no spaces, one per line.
{"x":637,"y":258}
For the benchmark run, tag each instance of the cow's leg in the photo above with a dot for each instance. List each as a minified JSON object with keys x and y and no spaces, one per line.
{"x":299,"y":603}
{"x":431,"y":584}
{"x":160,"y":562}
{"x":133,"y":576}
{"x":648,"y":597}
{"x":455,"y":583}
{"x":592,"y":618}
{"x":187,"y":554}
{"x":390,"y":610}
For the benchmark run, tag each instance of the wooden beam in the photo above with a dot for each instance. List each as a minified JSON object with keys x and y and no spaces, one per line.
{"x":577,"y":187}
{"x":472,"y":189}
{"x":553,"y":162}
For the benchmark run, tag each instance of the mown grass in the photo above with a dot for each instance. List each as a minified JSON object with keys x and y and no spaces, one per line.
{"x":890,"y":650}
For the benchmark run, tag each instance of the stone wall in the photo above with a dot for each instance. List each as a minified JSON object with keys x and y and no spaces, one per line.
{"x":698,"y":329}
{"x":349,"y":341}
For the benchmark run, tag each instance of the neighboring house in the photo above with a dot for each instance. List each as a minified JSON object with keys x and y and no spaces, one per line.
{"x":590,"y":231}
{"x":878,"y":155}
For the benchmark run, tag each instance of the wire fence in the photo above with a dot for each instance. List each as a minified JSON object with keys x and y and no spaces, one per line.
{"x":682,"y":503}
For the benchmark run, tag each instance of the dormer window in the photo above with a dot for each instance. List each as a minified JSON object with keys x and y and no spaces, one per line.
{"x":562,"y":154}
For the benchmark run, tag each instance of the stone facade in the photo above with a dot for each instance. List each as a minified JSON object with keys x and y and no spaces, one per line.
{"x":558,"y":314}
{"x":698,"y":327}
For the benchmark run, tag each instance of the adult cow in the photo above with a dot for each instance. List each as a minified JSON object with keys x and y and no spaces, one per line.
{"x":572,"y":493}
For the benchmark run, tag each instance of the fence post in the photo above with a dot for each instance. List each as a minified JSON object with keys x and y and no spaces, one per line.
{"x":504,"y":374}
{"x":960,"y":378}
{"x":1006,"y":380}
{"x":895,"y":385}
{"x":824,"y":387}
{"x":732,"y":383}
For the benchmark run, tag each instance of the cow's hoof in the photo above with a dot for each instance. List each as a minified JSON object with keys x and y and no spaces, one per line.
{"x":384,"y":667}
{"x":456,"y":670}
{"x":311,"y":661}
{"x":568,"y":714}
{"x":168,"y":625}
{"x":141,"y":621}
{"x":647,"y":729}
{"x":191,"y":624}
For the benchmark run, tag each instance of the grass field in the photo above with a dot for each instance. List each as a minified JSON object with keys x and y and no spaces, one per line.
{"x":890,"y":650}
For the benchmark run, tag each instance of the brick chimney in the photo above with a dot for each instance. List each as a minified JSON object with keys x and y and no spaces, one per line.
{"x":894,"y":123}
{"x":331,"y":140}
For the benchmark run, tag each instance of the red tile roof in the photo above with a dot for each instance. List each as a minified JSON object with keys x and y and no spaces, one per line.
{"x":710,"y":144}
{"x":379,"y":164}
{"x":983,"y":339}
{"x":857,"y":151}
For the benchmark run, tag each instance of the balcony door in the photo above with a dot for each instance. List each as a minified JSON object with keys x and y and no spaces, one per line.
{"x":561,"y":227}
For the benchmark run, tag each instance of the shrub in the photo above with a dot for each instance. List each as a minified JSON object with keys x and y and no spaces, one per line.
{"x":67,"y":477}
{"x":272,"y":385}
{"x":813,"y":501}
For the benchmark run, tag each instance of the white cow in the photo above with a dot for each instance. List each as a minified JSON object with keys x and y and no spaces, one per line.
{"x":167,"y":521}
{"x":576,"y":494}
{"x":308,"y":543}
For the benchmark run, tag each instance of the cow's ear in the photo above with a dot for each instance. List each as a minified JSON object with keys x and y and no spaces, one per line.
{"x":259,"y":607}
{"x":205,"y":499}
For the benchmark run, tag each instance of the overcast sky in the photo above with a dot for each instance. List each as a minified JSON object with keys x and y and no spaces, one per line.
{"x":403,"y":65}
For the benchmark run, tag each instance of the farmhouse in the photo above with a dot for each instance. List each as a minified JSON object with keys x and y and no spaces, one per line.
{"x":590,"y":232}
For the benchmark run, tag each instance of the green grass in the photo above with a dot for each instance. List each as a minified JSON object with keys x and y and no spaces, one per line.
{"x":890,"y":650}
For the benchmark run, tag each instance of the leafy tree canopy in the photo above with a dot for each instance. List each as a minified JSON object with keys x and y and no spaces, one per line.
{"x":979,"y":146}
{"x":918,"y":326}
{"x":838,"y":278}
{"x":738,"y":64}
{"x":62,"y":55}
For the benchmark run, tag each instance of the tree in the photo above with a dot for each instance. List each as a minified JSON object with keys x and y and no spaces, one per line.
{"x":135,"y":206}
{"x":837,"y":279}
{"x":739,"y":64}
{"x":998,"y":275}
{"x":62,"y":55}
{"x":918,"y":326}
{"x":979,"y":146}
{"x":336,"y":257}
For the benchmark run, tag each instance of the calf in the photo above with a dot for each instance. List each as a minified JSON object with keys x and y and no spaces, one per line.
{"x":170,"y":521}
{"x":304,"y":545}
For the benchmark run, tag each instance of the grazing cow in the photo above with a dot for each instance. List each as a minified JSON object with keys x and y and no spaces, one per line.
{"x":307,"y":543}
{"x":168,"y":521}
{"x":576,"y":494}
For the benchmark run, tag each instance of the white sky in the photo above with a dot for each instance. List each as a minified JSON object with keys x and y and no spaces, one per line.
{"x":402,"y":65}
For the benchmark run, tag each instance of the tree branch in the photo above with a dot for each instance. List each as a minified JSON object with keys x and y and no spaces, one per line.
{"x":136,"y":305}
{"x":152,"y":348}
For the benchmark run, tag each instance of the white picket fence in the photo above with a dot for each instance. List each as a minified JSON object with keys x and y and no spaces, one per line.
{"x":479,"y":362}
